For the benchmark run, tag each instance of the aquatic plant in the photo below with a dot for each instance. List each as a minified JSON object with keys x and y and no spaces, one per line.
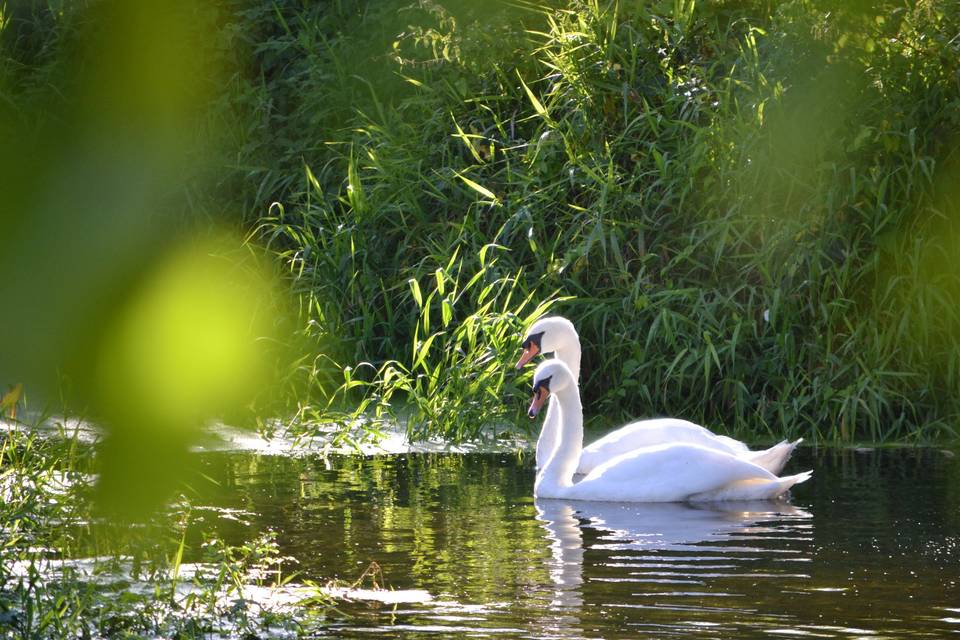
{"x":66,"y":572}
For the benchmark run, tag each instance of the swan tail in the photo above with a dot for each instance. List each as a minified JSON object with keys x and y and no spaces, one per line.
{"x":754,"y":488}
{"x":774,"y":458}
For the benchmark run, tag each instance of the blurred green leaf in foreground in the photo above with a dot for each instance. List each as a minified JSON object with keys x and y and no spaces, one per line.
{"x":116,"y":289}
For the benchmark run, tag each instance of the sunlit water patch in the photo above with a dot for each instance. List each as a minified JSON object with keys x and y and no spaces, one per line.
{"x":361,"y":438}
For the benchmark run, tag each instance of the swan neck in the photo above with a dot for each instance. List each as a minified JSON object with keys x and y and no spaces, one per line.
{"x":547,"y":441}
{"x":559,"y":470}
{"x":570,"y":356}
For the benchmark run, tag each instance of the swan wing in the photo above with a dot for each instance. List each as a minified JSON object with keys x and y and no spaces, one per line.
{"x":753,"y":489}
{"x":648,"y":433}
{"x":734,"y":445}
{"x":675,"y":472}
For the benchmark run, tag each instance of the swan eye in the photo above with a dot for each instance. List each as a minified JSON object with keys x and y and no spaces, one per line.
{"x":534,"y":340}
{"x":543,"y":384}
{"x":540,"y":392}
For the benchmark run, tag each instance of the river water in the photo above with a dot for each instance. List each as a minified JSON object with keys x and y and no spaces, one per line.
{"x":868,"y":548}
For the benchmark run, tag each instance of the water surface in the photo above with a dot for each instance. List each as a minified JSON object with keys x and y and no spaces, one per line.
{"x":870,"y":547}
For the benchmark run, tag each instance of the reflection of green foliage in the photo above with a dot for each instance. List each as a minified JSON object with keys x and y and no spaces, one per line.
{"x":425,"y":518}
{"x":465,"y":529}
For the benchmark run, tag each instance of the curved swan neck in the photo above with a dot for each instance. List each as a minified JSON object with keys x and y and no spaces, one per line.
{"x":571,"y":357}
{"x":547,"y":441}
{"x":559,"y":470}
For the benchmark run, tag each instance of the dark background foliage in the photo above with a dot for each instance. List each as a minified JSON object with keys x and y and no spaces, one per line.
{"x":747,"y":208}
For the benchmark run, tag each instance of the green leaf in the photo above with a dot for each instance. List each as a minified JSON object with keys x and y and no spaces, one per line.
{"x":415,"y":290}
{"x":424,"y":349}
{"x":537,"y":105}
{"x":446,"y":311}
{"x":479,"y":188}
{"x":466,"y":140}
{"x":312,"y":179}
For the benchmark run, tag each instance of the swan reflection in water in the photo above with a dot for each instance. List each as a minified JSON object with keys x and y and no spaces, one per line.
{"x":732,"y":532}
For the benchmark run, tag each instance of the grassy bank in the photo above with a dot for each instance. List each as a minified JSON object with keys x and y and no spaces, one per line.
{"x":747,"y":208}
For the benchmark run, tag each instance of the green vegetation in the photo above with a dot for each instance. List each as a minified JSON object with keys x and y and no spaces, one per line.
{"x":751,"y":206}
{"x":747,"y":208}
{"x":66,"y":572}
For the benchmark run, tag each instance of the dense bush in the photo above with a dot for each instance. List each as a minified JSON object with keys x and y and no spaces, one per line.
{"x":748,"y":208}
{"x":749,"y":203}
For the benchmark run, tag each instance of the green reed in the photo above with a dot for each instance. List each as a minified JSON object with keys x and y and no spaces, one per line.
{"x":748,"y":209}
{"x":47,"y":516}
{"x":737,"y":203}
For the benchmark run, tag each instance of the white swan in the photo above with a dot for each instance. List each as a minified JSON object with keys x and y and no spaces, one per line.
{"x":661,"y":473}
{"x":557,"y":335}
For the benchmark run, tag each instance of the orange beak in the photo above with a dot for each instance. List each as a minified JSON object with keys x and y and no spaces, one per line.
{"x":539,"y":398}
{"x":527,"y":355}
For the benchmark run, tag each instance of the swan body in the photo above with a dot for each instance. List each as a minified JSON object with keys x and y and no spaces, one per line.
{"x":666,"y":472}
{"x":646,"y":433}
{"x":557,"y":335}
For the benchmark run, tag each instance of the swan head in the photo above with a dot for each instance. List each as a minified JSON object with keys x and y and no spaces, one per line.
{"x":551,"y":376}
{"x":547,"y":335}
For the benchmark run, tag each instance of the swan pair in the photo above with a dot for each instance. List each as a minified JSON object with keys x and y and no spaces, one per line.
{"x":661,"y":460}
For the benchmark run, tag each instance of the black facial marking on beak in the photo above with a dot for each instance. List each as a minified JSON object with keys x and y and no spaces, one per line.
{"x":531,"y":347}
{"x":541,"y":391}
{"x":543,"y":384}
{"x":534,"y":339}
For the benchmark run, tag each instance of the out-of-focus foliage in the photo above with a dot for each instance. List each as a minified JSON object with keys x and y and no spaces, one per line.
{"x":120,"y":296}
